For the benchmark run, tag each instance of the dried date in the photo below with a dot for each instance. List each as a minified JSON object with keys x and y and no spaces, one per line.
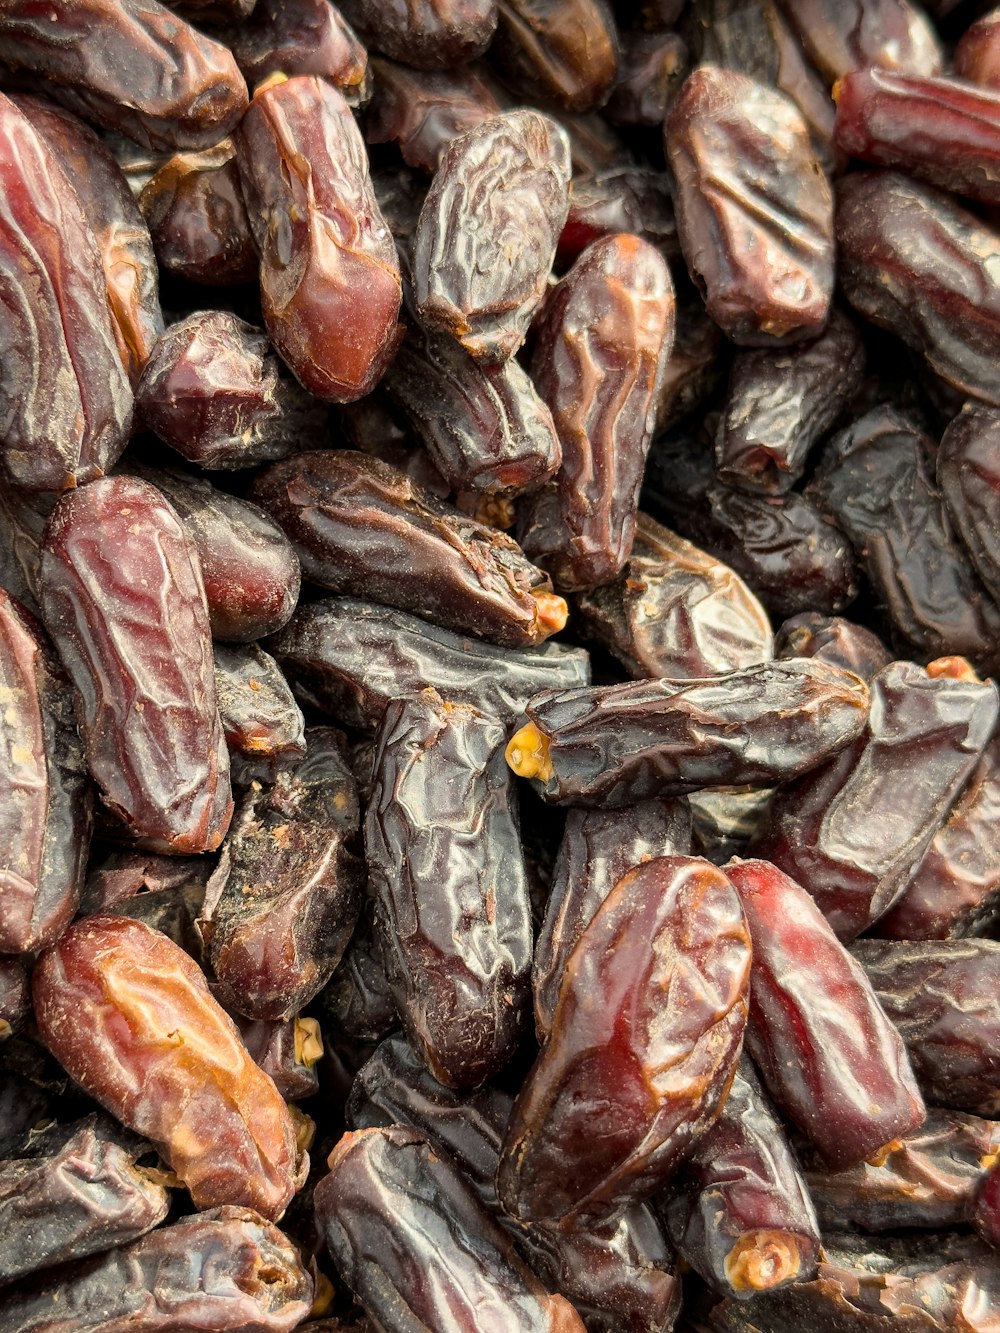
{"x":564,"y":51}
{"x":835,"y":640}
{"x":969,"y":479}
{"x":263,"y":724}
{"x":842,"y":35}
{"x":436,"y":34}
{"x":422,"y":111}
{"x":301,"y":37}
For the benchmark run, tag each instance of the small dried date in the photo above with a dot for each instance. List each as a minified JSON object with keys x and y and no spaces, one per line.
{"x":564,"y":50}
{"x":262,"y":722}
{"x":842,"y":35}
{"x":301,"y":37}
{"x":435,"y":34}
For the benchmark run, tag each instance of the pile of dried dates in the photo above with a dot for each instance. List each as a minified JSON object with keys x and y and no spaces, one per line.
{"x":499,"y":604}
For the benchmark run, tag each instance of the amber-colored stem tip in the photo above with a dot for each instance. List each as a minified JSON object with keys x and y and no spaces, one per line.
{"x":762,"y":1260}
{"x":552,"y":613}
{"x":528,"y":753}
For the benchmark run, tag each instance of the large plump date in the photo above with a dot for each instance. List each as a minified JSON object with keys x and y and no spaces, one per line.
{"x":227,"y":1270}
{"x":134,"y":636}
{"x":364,"y":528}
{"x":329,"y":277}
{"x":754,"y":208}
{"x":831,"y":1059}
{"x":444,"y":859}
{"x":615,"y":744}
{"x":417,"y":1247}
{"x":68,"y":426}
{"x":601,"y":345}
{"x":45,"y":799}
{"x":488,"y":229}
{"x":129,"y":1015}
{"x":645,"y":1036}
{"x":129,"y":65}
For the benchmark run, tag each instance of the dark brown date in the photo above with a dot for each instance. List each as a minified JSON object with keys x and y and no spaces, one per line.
{"x":363,"y":528}
{"x":134,"y":636}
{"x":23,"y":515}
{"x":942,"y":996}
{"x":645,"y":1036}
{"x":444,"y":859}
{"x":288,"y":1051}
{"x":118,"y":876}
{"x":283,"y":901}
{"x":652,"y":67}
{"x":831,"y":1059}
{"x":913,"y":261}
{"x":130,"y":1017}
{"x":977,"y":52}
{"x":15,"y":996}
{"x":968,"y":475}
{"x":262,"y":722}
{"x":329,"y":278}
{"x":724,"y":819}
{"x":754,"y":207}
{"x":45,"y":797}
{"x":630,"y":198}
{"x":835,"y":640}
{"x":608,"y":746}
{"x":675,"y":611}
{"x":562,"y":51}
{"x":986,"y":1215}
{"x":436,"y":34}
{"x":213,"y":390}
{"x":600,"y":349}
{"x":488,"y":229}
{"x":357,"y":1002}
{"x":352,"y":659}
{"x":856,"y":869}
{"x":68,"y":426}
{"x":301,"y":37}
{"x":842,"y":35}
{"x":417,"y":1247}
{"x":422,"y":111}
{"x":129,"y":65}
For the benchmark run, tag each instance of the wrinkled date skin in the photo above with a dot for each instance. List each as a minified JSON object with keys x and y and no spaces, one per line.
{"x":653,"y":66}
{"x":675,"y":611}
{"x":134,"y":636}
{"x":45,"y":797}
{"x":129,"y":1015}
{"x":842,"y":35}
{"x":913,"y":261}
{"x":831,"y":1059}
{"x":417,"y":1247}
{"x":263,"y":724}
{"x":564,"y":50}
{"x":364,"y":528}
{"x":977,"y":52}
{"x":213,"y":390}
{"x":293,"y":37}
{"x":423,"y":111}
{"x":445,"y":862}
{"x":855,"y":869}
{"x":68,"y":426}
{"x":129,"y":65}
{"x":123,"y":239}
{"x":835,"y":640}
{"x":742,"y":1216}
{"x":78,"y":1191}
{"x":602,"y":343}
{"x":287,"y":1051}
{"x":645,"y":1036}
{"x":226,"y":1269}
{"x":611,"y":745}
{"x":488,"y":229}
{"x":352,"y":659}
{"x":282,"y":904}
{"x":598,"y":848}
{"x":329,"y":277}
{"x":435,"y":34}
{"x":968,"y":473}
{"x":754,"y":208}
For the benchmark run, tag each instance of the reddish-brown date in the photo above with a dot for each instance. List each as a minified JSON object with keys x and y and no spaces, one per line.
{"x":841,"y":35}
{"x":855,"y":869}
{"x":835,"y":640}
{"x":488,"y":229}
{"x":363,"y":528}
{"x":329,"y":278}
{"x":69,"y":425}
{"x":630,"y":198}
{"x":133,"y":634}
{"x":600,"y":349}
{"x":301,"y":37}
{"x":831,"y":1059}
{"x":130,"y":1017}
{"x":422,"y":111}
{"x":977,"y":52}
{"x":986,"y":1214}
{"x":754,"y":207}
{"x":129,"y":65}
{"x":563,"y":52}
{"x":435,"y":34}
{"x":645,"y":1037}
{"x":45,"y":797}
{"x":262,"y":722}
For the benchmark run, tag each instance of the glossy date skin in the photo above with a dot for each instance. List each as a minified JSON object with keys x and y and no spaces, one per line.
{"x":352,"y":659}
{"x":645,"y":1036}
{"x":487,"y":231}
{"x":833,"y":639}
{"x":363,"y":528}
{"x":287,"y":1051}
{"x":70,"y":428}
{"x":754,"y":208}
{"x":129,"y":65}
{"x":977,"y":52}
{"x":892,"y":236}
{"x":831,"y":1059}
{"x":969,"y":478}
{"x":842,"y":35}
{"x":226,"y":1269}
{"x":608,"y":746}
{"x":601,"y":346}
{"x":675,"y":611}
{"x":263,"y":724}
{"x":857,"y":869}
{"x":445,"y":863}
{"x":422,"y":111}
{"x":741,"y":1215}
{"x":134,"y":638}
{"x":329,"y":278}
{"x":301,"y":37}
{"x":417,"y":1247}
{"x":437,"y":34}
{"x":941,"y":995}
{"x":45,"y":797}
{"x":562,"y":51}
{"x":129,"y":1016}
